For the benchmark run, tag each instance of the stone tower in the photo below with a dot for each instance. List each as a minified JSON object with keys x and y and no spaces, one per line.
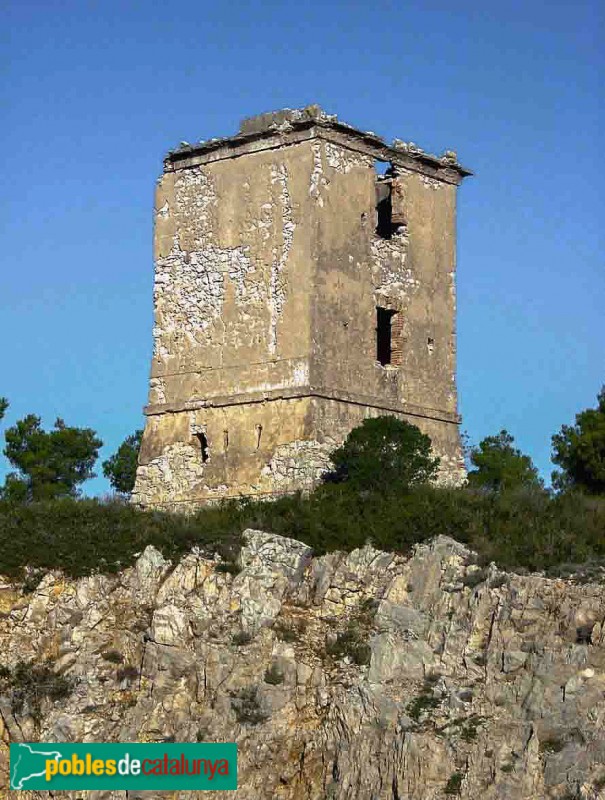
{"x":304,"y":280}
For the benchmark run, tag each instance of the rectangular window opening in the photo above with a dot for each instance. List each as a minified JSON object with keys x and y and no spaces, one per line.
{"x":385,"y":228}
{"x":384,"y":335}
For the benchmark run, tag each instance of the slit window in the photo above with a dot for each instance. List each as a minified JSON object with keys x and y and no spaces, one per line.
{"x":384,"y":210}
{"x":384,"y":335}
{"x":205,"y":450}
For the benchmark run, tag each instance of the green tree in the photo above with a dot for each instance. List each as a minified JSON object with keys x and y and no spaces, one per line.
{"x":50,"y":463}
{"x":121,"y":468}
{"x":3,"y":406}
{"x":384,"y":453}
{"x":580,"y":451}
{"x":500,"y":465}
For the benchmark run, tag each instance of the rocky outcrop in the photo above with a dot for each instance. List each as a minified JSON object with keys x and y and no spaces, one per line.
{"x":364,"y":675}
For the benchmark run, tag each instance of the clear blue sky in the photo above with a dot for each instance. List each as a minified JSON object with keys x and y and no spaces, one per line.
{"x":94,"y":93}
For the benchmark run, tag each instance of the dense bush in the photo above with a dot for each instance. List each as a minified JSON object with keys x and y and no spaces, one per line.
{"x":499,"y":465}
{"x":580,"y":451}
{"x":27,"y":685}
{"x":384,"y":452}
{"x":523,"y":528}
{"x":121,"y":468}
{"x":50,"y":464}
{"x":84,"y":536}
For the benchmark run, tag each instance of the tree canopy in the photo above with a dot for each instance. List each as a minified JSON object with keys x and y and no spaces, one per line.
{"x":500,"y":465}
{"x":3,"y":406}
{"x":49,"y":463}
{"x":580,"y":451}
{"x":384,"y":453}
{"x":121,"y":468}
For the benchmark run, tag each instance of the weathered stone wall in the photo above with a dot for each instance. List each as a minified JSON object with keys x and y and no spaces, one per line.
{"x":269,"y":270}
{"x":361,"y":676}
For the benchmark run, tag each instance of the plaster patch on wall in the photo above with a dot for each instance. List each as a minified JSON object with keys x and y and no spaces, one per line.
{"x":343,"y":160}
{"x":157,"y":391}
{"x":278,"y":284}
{"x":391,"y":276}
{"x":164,"y":211}
{"x":171,"y":476}
{"x":298,"y":464}
{"x":190,"y":290}
{"x":431,"y":182}
{"x":301,"y":374}
{"x":317,"y":175}
{"x":188,"y":294}
{"x":195,"y":196}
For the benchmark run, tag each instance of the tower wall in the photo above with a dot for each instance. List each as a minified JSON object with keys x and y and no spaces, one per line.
{"x":268,"y":273}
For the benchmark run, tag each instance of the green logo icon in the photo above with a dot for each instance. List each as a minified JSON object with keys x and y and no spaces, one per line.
{"x":43,"y":766}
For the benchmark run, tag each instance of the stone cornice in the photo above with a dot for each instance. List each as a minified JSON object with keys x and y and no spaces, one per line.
{"x":288,"y":128}
{"x":300,"y":393}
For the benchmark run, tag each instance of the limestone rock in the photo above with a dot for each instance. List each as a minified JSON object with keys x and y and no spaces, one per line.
{"x":363,"y":675}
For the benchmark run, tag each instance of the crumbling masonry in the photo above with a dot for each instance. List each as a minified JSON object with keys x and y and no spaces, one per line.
{"x":297,"y":291}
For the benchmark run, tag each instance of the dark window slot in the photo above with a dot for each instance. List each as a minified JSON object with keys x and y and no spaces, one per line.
{"x":384,"y":335}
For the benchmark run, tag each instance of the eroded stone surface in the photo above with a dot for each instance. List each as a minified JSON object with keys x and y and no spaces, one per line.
{"x":468,"y":674}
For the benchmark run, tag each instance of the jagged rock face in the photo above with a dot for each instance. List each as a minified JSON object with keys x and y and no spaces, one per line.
{"x":367,"y":675}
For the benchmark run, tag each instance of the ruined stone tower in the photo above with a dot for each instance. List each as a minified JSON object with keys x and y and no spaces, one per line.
{"x":299,"y":288}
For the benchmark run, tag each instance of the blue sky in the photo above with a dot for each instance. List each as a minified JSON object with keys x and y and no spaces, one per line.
{"x":94,"y":93}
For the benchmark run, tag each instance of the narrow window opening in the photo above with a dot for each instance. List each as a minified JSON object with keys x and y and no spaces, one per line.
{"x":205,"y":450}
{"x":259,"y":432}
{"x":384,"y":210}
{"x":225,"y":440}
{"x":386,"y":225}
{"x":384,"y":335}
{"x":430,"y":343}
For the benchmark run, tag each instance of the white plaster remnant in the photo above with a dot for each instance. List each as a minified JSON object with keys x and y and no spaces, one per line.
{"x":389,"y":266}
{"x":164,"y":211}
{"x":343,"y":160}
{"x":277,"y":284}
{"x":195,"y":197}
{"x":431,"y":182}
{"x":190,"y":291}
{"x":157,"y":391}
{"x":318,"y":180}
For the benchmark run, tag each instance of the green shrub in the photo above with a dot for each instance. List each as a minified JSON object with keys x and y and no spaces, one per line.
{"x":425,"y":701}
{"x":121,"y":468}
{"x":241,"y":638}
{"x":27,"y":685}
{"x":113,"y":656}
{"x":274,"y":676}
{"x":517,"y":529}
{"x":247,"y":707}
{"x":454,"y":783}
{"x":499,"y":465}
{"x":553,"y":744}
{"x":230,"y":567}
{"x":289,"y":632}
{"x":381,"y":452}
{"x":350,"y":644}
{"x":81,"y":537}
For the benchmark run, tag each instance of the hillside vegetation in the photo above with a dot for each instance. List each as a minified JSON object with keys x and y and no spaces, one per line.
{"x":518,"y":529}
{"x":381,"y":491}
